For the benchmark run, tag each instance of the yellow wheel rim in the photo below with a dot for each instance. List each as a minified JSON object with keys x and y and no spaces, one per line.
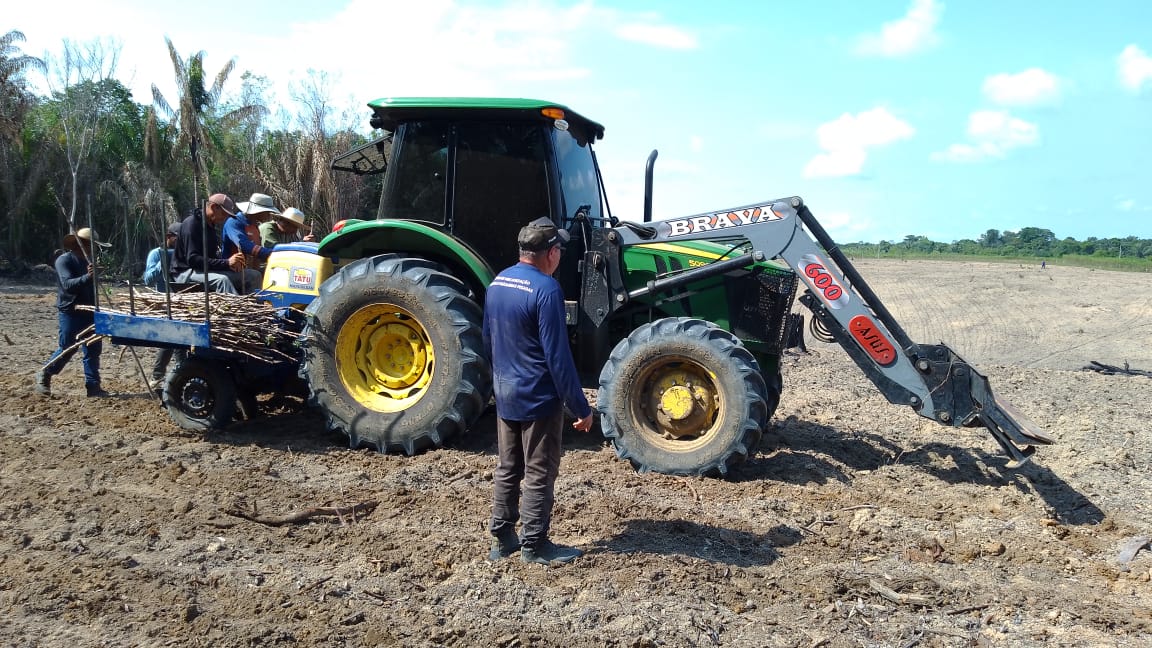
{"x":678,"y":404}
{"x":385,"y":358}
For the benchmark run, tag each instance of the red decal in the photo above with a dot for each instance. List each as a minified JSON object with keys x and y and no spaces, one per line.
{"x":869,"y":337}
{"x":301,"y":278}
{"x":824,"y":281}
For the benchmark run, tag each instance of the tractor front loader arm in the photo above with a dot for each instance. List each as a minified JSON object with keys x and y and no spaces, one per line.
{"x":932,"y":379}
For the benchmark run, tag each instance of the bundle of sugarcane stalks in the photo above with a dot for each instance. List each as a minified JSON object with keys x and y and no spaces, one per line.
{"x":240,"y":324}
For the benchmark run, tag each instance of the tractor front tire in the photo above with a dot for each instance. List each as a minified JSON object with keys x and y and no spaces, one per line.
{"x":199,"y":393}
{"x":393,"y":354}
{"x":681,"y":396}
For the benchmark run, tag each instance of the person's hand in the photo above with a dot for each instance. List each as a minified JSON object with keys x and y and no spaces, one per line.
{"x":236,"y":262}
{"x":91,"y":269}
{"x":583,"y":424}
{"x":308,"y":238}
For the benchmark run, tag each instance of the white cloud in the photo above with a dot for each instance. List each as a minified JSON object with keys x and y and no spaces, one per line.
{"x":472,"y":49}
{"x":844,"y":226}
{"x":657,"y":35}
{"x":836,"y":164}
{"x":696,"y":144}
{"x":1126,"y":205}
{"x":915,"y":32}
{"x":1135,"y":68}
{"x":513,"y":48}
{"x":1001,"y":128}
{"x":992,"y":133}
{"x":1028,"y":88}
{"x":847,"y":139}
{"x":443,"y":44}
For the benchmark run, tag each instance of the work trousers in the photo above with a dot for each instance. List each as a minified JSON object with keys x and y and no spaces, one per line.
{"x":160,"y":366}
{"x":225,"y":281}
{"x":525,"y":478}
{"x":71,"y":324}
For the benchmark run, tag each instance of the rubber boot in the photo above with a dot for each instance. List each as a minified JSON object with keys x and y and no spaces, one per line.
{"x":504,"y":544}
{"x":43,"y":384}
{"x":548,"y":552}
{"x":95,"y":391}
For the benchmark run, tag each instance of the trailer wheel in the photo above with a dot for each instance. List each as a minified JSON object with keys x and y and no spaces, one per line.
{"x":200,"y":394}
{"x":393,"y":354}
{"x":682,"y":396}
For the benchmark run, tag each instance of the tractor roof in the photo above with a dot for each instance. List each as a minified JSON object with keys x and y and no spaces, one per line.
{"x":390,"y":110}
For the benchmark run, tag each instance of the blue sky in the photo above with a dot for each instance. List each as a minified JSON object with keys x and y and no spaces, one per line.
{"x":890,"y":117}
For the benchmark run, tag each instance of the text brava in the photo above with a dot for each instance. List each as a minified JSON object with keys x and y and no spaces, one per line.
{"x":720,"y":220}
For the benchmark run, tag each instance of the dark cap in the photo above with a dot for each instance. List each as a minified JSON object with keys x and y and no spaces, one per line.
{"x":541,"y":234}
{"x":174,"y":229}
{"x":224,"y":201}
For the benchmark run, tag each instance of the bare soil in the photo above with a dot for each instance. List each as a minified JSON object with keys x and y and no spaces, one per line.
{"x":856,"y":524}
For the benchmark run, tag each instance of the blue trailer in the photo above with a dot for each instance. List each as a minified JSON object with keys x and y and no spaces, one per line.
{"x":208,"y":385}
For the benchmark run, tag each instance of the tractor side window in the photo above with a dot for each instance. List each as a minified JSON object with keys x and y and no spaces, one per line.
{"x":421,"y":165}
{"x":500,"y":185}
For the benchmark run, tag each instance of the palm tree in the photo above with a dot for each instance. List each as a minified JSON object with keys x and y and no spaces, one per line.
{"x":147,"y":208}
{"x":194,"y":114}
{"x":14,"y":96}
{"x":21,"y":172}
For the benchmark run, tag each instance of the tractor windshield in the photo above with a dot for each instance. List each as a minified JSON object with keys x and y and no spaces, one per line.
{"x":577,"y":170}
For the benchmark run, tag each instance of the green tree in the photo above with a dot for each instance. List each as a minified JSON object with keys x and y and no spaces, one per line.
{"x":21,"y":170}
{"x":82,"y":104}
{"x":197,"y":115}
{"x":1036,"y":240}
{"x":298,"y":166}
{"x":991,"y":239}
{"x":15,"y":98}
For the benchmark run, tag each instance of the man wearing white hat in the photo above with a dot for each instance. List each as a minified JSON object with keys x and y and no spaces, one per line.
{"x":284,"y":228}
{"x":241,"y":234}
{"x":75,"y":287}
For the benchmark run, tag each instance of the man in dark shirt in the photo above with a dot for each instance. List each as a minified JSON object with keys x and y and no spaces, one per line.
{"x":75,"y":287}
{"x":224,"y":275}
{"x":534,"y":376}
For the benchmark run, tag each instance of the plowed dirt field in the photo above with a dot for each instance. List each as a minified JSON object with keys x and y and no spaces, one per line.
{"x":857,"y":523}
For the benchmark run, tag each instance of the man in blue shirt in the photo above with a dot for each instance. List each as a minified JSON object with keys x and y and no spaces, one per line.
{"x":242,"y":234}
{"x":75,"y":287}
{"x":155,"y":278}
{"x":534,"y":376}
{"x":154,"y":266}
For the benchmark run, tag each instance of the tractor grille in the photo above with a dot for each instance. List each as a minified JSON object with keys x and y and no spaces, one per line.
{"x":760,"y":305}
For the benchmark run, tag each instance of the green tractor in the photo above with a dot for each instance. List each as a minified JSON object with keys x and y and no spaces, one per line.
{"x":680,"y":323}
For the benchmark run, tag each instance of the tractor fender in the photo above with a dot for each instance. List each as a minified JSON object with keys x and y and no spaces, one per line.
{"x":360,"y":239}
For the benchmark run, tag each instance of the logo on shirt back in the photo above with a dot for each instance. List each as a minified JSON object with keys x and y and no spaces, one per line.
{"x":512,"y":282}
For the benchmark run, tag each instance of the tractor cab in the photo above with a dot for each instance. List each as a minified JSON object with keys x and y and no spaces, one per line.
{"x":477,"y":170}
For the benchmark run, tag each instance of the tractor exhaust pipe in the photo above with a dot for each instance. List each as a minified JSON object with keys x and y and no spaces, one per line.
{"x":648,"y":185}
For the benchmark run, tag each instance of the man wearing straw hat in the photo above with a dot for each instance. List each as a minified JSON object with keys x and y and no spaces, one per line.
{"x":284,"y":228}
{"x":75,"y":287}
{"x":241,"y":235}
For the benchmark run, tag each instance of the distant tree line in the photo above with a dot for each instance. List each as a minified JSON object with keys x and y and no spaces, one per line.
{"x":87,"y":151}
{"x":1028,"y":242}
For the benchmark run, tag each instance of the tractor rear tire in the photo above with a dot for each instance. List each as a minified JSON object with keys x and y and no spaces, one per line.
{"x":200,"y":394}
{"x":393,"y":354}
{"x":681,"y":396}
